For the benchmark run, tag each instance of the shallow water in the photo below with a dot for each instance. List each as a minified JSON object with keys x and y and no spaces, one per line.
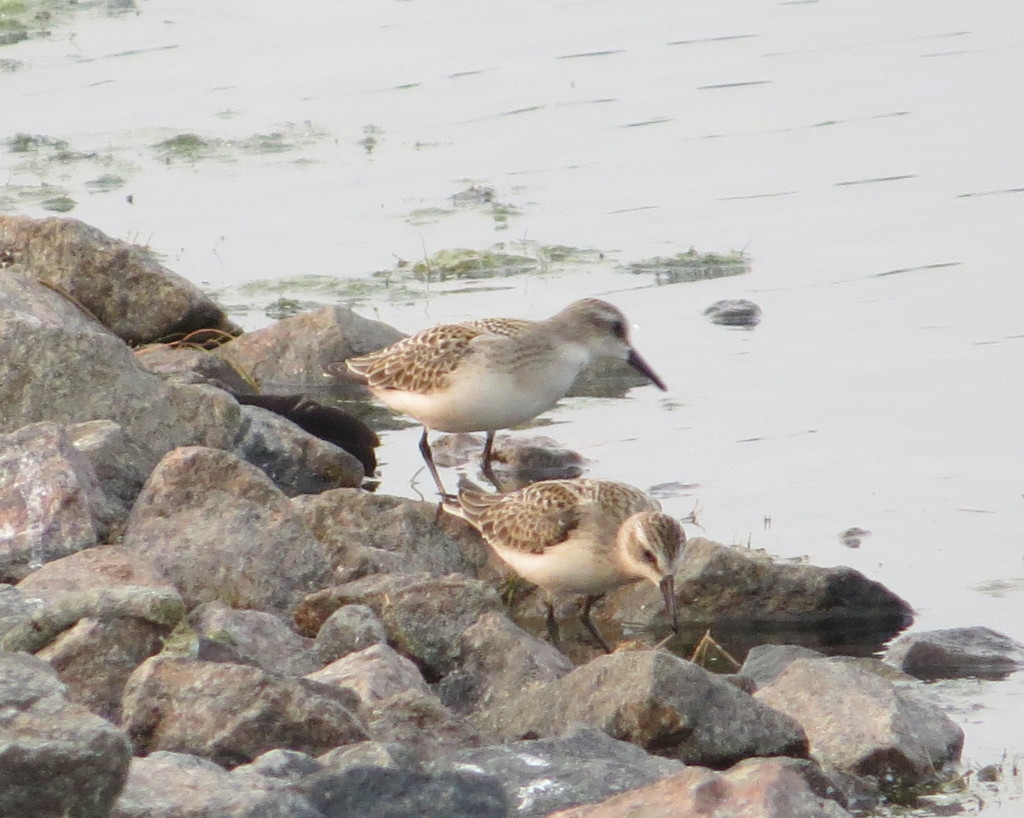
{"x":864,"y":155}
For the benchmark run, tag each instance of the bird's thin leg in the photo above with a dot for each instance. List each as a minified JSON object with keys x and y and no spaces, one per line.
{"x":428,"y":458}
{"x":485,"y":464}
{"x":588,"y":622}
{"x":552,"y":624}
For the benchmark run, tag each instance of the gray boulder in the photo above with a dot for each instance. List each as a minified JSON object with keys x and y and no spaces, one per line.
{"x":859,"y":722}
{"x":251,"y":638}
{"x":498,"y":660}
{"x":296,"y":350}
{"x":221,"y":530}
{"x":374,"y":674}
{"x":51,"y":504}
{"x":57,"y":760}
{"x":369,"y":533}
{"x":295,"y":460}
{"x":755,"y":788}
{"x":60,"y":365}
{"x":121,"y":285}
{"x":95,"y":658}
{"x":656,"y":701}
{"x":349,"y":629}
{"x":165,"y":784}
{"x":424,"y":616}
{"x":555,"y":773}
{"x":121,"y":465}
{"x":723,"y":584}
{"x":230,"y":714}
{"x":378,"y":792}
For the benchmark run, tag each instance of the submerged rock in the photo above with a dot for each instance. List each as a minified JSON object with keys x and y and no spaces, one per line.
{"x":734,"y":312}
{"x":956,"y":653}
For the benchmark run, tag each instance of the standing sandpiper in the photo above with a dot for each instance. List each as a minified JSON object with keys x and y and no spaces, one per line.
{"x":579,"y":537}
{"x":494,"y":373}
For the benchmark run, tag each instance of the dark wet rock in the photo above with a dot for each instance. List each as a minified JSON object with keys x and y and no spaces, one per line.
{"x":723,"y":584}
{"x":231,"y":714}
{"x":420,"y":725}
{"x":956,"y":653}
{"x":424,"y":616}
{"x":121,"y":465}
{"x":349,"y":629}
{"x":765,"y":662}
{"x":376,"y":792}
{"x":656,"y":701}
{"x":499,"y":660}
{"x":755,"y":788}
{"x":328,"y":423}
{"x":859,"y":722}
{"x":57,"y":760}
{"x":555,"y":773}
{"x":251,"y":549}
{"x":295,"y":460}
{"x":166,"y":784}
{"x":51,"y":504}
{"x":191,"y":365}
{"x":251,"y":638}
{"x":95,"y":657}
{"x":517,"y":461}
{"x":119,"y":284}
{"x":369,"y":533}
{"x":374,"y":674}
{"x":853,"y":537}
{"x":296,"y":350}
{"x":734,"y":312}
{"x":58,"y":364}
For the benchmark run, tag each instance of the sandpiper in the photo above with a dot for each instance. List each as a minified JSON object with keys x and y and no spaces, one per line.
{"x":578,"y":537}
{"x":493,"y":373}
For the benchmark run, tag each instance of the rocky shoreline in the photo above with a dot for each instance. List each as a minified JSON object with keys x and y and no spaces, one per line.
{"x":205,"y":614}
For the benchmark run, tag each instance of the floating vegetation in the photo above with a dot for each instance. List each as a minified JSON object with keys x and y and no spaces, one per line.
{"x":691,"y":266}
{"x":460,"y":263}
{"x":58,"y":204}
{"x":188,"y":146}
{"x":106,"y":183}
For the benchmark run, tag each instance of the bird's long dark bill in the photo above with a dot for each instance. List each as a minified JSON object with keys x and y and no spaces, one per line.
{"x":668,"y":592}
{"x":640,"y":365}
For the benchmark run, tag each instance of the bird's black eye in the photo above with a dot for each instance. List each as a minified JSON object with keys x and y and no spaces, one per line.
{"x":619,"y":329}
{"x":650,"y":557}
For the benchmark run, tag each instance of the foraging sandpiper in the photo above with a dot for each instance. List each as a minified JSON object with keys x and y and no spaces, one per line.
{"x":493,"y":373}
{"x":579,"y":537}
